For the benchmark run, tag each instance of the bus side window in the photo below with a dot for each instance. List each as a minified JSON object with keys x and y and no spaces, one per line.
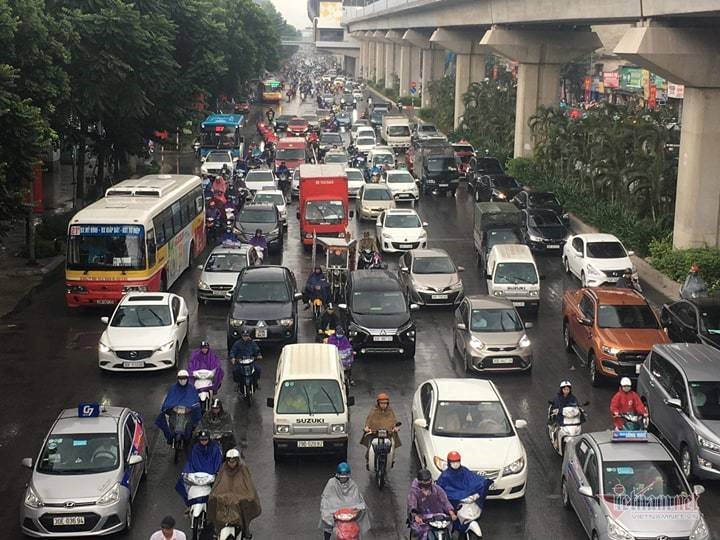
{"x":151,"y":248}
{"x":199,"y":201}
{"x":177,"y":218}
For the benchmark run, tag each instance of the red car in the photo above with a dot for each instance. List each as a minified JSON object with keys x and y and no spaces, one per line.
{"x":297,"y":127}
{"x":464,"y":152}
{"x":242,"y":106}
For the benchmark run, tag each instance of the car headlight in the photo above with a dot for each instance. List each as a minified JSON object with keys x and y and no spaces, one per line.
{"x":32,"y":499}
{"x":423,"y":234}
{"x":524,"y":342}
{"x":457,"y":286}
{"x":498,"y":293}
{"x":102,"y":347}
{"x":700,"y":532}
{"x":204,"y":286}
{"x":236,"y":323}
{"x":534,"y":238}
{"x":594,"y":271}
{"x":476,"y":343}
{"x":354,"y":330}
{"x":287,"y":322}
{"x":112,"y":495}
{"x":385,"y":235}
{"x":338,"y":428}
{"x":282,"y":429}
{"x":499,"y":194}
{"x":515,"y":467}
{"x":616,"y":531}
{"x":612,"y":351}
{"x":707,"y":444}
{"x":440,"y":463}
{"x":166,"y":347}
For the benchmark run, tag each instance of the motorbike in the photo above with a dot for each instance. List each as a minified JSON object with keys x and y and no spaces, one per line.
{"x":230,"y":532}
{"x":381,"y":448}
{"x":323,"y":335}
{"x":284,"y":184}
{"x":229,"y":216}
{"x":439,"y":526}
{"x":573,"y":418}
{"x":226,"y":440}
{"x":204,"y":386}
{"x":468,"y":515}
{"x":198,"y":485}
{"x":369,"y":260}
{"x":179,"y":419}
{"x":246,"y":388}
{"x":346,"y":524}
{"x":212,"y":229}
{"x":634,"y":422}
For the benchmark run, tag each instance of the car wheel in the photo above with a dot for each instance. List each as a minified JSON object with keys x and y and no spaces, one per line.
{"x":566,"y":337}
{"x":128,"y":519}
{"x":564,"y":495}
{"x":595,"y":376}
{"x":277,"y":456}
{"x":176,"y":360}
{"x":686,"y":461}
{"x":582,"y":279}
{"x":567,"y":265}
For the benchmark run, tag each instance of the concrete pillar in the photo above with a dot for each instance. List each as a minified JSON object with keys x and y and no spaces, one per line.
{"x":379,"y":60}
{"x":541,"y":54}
{"x":689,"y":56}
{"x":416,"y":67}
{"x":433,"y":69}
{"x":405,"y":69}
{"x":390,"y":69}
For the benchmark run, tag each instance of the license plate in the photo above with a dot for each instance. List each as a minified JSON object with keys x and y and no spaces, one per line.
{"x":637,"y":369}
{"x":404,"y":195}
{"x":69,"y":520}
{"x":133,"y":364}
{"x":443,"y":185}
{"x":553,"y":246}
{"x":310,"y":444}
{"x":519,"y":304}
{"x":104,"y":301}
{"x":503,"y":360}
{"x":261,"y":333}
{"x":439,"y":297}
{"x":382,"y":338}
{"x":405,"y":246}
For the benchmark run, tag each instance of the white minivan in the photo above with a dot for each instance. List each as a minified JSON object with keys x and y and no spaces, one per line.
{"x":310,"y":404}
{"x":512,"y":274}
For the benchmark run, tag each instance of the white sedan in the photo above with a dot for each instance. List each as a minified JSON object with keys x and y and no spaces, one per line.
{"x":259,"y":179}
{"x":276,"y":197}
{"x":596,"y":259}
{"x":469,"y":417}
{"x":356,"y":180}
{"x":144,"y":333}
{"x":402,"y":184}
{"x":214,"y":161}
{"x":400,"y":229}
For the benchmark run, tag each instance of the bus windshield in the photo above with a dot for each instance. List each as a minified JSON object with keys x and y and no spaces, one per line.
{"x":225,"y":137}
{"x":106,"y":247}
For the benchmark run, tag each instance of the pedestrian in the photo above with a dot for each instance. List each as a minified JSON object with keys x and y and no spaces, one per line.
{"x":168,"y":531}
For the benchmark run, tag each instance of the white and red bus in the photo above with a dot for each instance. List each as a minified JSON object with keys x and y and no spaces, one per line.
{"x":140,"y":237}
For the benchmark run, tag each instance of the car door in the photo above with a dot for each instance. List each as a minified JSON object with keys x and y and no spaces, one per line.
{"x":484,"y":189}
{"x":573,"y":472}
{"x":576,"y":255}
{"x":582,"y":334}
{"x":133,"y":473}
{"x":423,"y":435}
{"x":180,"y":316}
{"x":521,"y":200}
{"x":676,"y":420}
{"x":660,"y":383}
{"x":592,"y":512}
{"x":690,"y":319}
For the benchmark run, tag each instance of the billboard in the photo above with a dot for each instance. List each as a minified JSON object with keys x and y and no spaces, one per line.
{"x":330,"y":15}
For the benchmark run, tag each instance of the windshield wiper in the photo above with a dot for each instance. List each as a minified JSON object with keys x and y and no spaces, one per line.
{"x":307,"y":399}
{"x":330,"y":399}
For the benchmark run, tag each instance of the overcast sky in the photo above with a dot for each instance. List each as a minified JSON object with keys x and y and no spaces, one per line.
{"x":294,"y":11}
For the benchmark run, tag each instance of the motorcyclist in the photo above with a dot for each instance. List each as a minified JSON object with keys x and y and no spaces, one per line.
{"x":564,"y":398}
{"x":282,"y":170}
{"x":213,"y":212}
{"x":259,"y":241}
{"x":341,"y":491}
{"x":180,"y":394}
{"x":626,"y":400}
{"x":426,"y":499}
{"x":228,"y":235}
{"x":206,"y":457}
{"x":694,"y":286}
{"x":234,"y":499}
{"x":628,"y":281}
{"x":329,"y":320}
{"x":347,"y":355}
{"x":368,"y":242}
{"x":460,"y":483}
{"x":375,"y":173}
{"x":245,"y":348}
{"x":205,"y":358}
{"x":317,"y":286}
{"x":218,"y":423}
{"x":270,"y":115}
{"x":219,"y":186}
{"x":382,"y":416}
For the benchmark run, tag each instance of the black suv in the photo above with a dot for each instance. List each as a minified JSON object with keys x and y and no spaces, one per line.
{"x":541,"y":200}
{"x":378,"y":315}
{"x":265,"y":304}
{"x":263,"y":216}
{"x":488,"y":180}
{"x":437,"y":169}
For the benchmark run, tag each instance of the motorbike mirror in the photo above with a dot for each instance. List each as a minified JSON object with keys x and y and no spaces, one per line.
{"x":27,"y":462}
{"x":460,"y":268}
{"x":105,"y":320}
{"x":398,"y":424}
{"x":425,"y":223}
{"x":200,"y":267}
{"x":297,"y":296}
{"x":461,"y":326}
{"x":271,"y":402}
{"x":585,"y":491}
{"x":181,"y":319}
{"x":404,"y":269}
{"x":586,"y":404}
{"x":351,"y":401}
{"x":420,"y":423}
{"x":631,"y":253}
{"x":520,"y":424}
{"x":698,"y":490}
{"x":528,"y":325}
{"x":135,"y":459}
{"x":342,"y":306}
{"x":674,"y":403}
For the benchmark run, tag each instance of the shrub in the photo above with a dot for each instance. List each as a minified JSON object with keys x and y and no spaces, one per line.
{"x":392,"y":93}
{"x":411,"y":100}
{"x":53,"y":226}
{"x":675,"y":263}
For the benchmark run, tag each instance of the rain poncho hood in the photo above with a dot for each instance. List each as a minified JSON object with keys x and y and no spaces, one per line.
{"x":435,"y":503}
{"x":198,"y":360}
{"x":181,"y":396}
{"x":462,"y":482}
{"x":337,"y":495}
{"x":234,"y":499}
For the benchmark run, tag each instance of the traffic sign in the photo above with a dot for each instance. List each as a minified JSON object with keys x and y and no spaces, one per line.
{"x":413,"y":87}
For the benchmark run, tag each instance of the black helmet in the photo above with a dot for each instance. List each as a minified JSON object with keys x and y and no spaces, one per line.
{"x":245,"y":333}
{"x":204,"y":344}
{"x":204,"y":434}
{"x":331,"y":306}
{"x":424,"y":476}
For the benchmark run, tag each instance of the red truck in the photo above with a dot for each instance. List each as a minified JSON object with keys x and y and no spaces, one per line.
{"x":323,"y":205}
{"x":292,"y":151}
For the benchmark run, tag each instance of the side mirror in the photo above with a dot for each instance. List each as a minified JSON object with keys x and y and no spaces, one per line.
{"x":528,"y":324}
{"x":461,"y":326}
{"x":631,"y":253}
{"x":698,"y":490}
{"x":674,"y":403}
{"x":488,"y":276}
{"x":105,"y":320}
{"x":135,"y":459}
{"x":520,"y":424}
{"x":297,"y":296}
{"x":404,"y":269}
{"x":351,"y":401}
{"x":414,"y":307}
{"x":425,"y":224}
{"x":352,"y":214}
{"x":342,"y":306}
{"x":585,"y":491}
{"x":181,"y":319}
{"x":584,"y":321}
{"x":420,"y":423}
{"x":460,"y":268}
{"x":270,"y":402}
{"x":27,"y":462}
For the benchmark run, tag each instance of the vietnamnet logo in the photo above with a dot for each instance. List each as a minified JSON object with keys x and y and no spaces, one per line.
{"x":640,"y":506}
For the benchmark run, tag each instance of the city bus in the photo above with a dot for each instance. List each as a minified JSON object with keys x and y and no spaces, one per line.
{"x":271,"y":90}
{"x":222,"y":132}
{"x":140,"y":237}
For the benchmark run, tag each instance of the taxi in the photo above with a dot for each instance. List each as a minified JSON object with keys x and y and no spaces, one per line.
{"x":86,"y":474}
{"x":625,"y":485}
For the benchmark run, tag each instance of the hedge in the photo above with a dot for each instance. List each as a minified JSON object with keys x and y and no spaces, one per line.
{"x":675,"y":263}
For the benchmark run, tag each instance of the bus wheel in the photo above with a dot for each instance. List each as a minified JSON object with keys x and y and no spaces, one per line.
{"x":163,"y":283}
{"x":190,"y":255}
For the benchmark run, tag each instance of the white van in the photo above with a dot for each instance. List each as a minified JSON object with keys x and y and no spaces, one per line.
{"x":395,"y":132}
{"x":310,"y":406}
{"x":512,"y":274}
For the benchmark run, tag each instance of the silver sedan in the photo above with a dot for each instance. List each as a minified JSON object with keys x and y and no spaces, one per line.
{"x":431,"y":278}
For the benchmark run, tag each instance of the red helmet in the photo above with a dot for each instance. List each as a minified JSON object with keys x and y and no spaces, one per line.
{"x":453,"y":456}
{"x":382,"y":397}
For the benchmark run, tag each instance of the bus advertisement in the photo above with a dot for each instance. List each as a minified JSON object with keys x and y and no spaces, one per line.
{"x":140,"y":237}
{"x":271,"y":91}
{"x":222,"y":132}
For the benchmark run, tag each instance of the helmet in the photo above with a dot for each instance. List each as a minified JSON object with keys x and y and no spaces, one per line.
{"x":424,"y":476}
{"x":204,"y":345}
{"x":216,"y":404}
{"x":183,"y":374}
{"x":453,"y":456}
{"x":233,"y":453}
{"x":245,"y":333}
{"x":382,"y":396}
{"x":343,"y":468}
{"x":258,"y":231}
{"x":331,"y":306}
{"x":339,"y":331}
{"x":625,"y":381}
{"x":204,"y":434}
{"x":627,"y":272}
{"x":565,"y":383}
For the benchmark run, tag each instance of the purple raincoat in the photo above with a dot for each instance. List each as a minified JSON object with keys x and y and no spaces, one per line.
{"x":198,"y":360}
{"x":436,"y":502}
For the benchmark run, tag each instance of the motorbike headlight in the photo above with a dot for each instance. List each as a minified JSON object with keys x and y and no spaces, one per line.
{"x":204,"y":286}
{"x":338,"y":428}
{"x":166,"y":347}
{"x":707,"y":444}
{"x":32,"y":499}
{"x":616,"y":531}
{"x":700,"y":532}
{"x":287,"y":322}
{"x":236,"y":323}
{"x":515,"y":467}
{"x":612,"y":351}
{"x":475,"y":343}
{"x":111,"y":496}
{"x":102,"y":347}
{"x":524,"y":342}
{"x":282,"y":429}
{"x":440,"y":463}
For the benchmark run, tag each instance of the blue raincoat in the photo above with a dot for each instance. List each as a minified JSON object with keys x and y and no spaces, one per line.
{"x":461,"y":483}
{"x":203,"y":458}
{"x":179,"y":396}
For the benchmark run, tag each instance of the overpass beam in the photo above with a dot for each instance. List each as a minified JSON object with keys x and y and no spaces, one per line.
{"x":541,"y":54}
{"x":690,"y":56}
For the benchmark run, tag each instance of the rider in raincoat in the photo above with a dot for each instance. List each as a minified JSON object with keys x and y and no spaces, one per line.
{"x":181,"y":394}
{"x":205,"y":358}
{"x":341,"y":491}
{"x":459,"y":483}
{"x":205,"y":457}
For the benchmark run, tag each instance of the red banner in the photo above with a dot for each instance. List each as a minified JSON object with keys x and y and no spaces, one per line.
{"x":652,"y":97}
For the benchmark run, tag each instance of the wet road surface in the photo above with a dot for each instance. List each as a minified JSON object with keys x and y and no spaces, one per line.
{"x":50,"y":363}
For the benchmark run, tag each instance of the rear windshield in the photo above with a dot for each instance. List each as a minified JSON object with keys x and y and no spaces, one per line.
{"x":259,"y":176}
{"x":377,"y":195}
{"x":605,"y":250}
{"x":257,"y":216}
{"x":641,"y":316}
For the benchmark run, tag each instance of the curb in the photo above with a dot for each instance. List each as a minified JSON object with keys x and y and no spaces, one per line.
{"x":37,"y":278}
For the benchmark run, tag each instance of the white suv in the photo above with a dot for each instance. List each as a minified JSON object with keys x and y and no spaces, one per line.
{"x":596,"y":259}
{"x":145,"y":333}
{"x":402,"y":184}
{"x":400,"y":229}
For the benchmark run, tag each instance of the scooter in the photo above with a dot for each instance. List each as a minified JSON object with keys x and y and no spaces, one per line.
{"x":230,"y":532}
{"x":573,"y":418}
{"x":226,"y":440}
{"x":246,"y":388}
{"x":468,"y":515}
{"x":381,"y":448}
{"x":204,"y":386}
{"x":439,"y":526}
{"x":198,"y":486}
{"x":256,"y":256}
{"x":634,"y":422}
{"x":179,"y":418}
{"x":346,"y":524}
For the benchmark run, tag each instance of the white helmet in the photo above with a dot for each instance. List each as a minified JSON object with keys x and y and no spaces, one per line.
{"x":565,"y":383}
{"x":183,"y":373}
{"x":232,"y":453}
{"x":625,"y":381}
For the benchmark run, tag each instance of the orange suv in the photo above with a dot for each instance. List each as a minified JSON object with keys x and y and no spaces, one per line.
{"x":613,"y":329}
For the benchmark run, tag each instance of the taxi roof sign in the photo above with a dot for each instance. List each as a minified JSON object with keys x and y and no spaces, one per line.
{"x":88,"y":409}
{"x":629,"y":436}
